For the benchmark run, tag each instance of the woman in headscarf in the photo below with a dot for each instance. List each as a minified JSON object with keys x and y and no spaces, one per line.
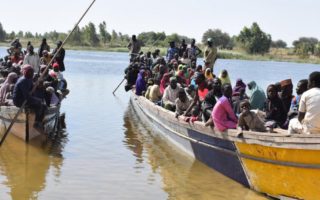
{"x":224,"y":77}
{"x":257,"y":97}
{"x":5,"y":88}
{"x":140,"y":83}
{"x":240,"y":85}
{"x":208,"y":74}
{"x":164,"y":82}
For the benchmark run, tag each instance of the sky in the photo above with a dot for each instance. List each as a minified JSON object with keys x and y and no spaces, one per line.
{"x":283,"y":19}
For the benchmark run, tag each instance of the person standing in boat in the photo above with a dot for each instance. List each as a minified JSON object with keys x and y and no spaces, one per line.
{"x":193,"y":50}
{"x":210,"y":54}
{"x":43,"y":46}
{"x":32,"y":59}
{"x":21,"y":93}
{"x":60,"y":56}
{"x":134,"y":47}
{"x":172,"y":50}
{"x":308,"y":121}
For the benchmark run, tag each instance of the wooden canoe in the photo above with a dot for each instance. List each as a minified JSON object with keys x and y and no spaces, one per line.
{"x":23,"y":127}
{"x":277,"y":164}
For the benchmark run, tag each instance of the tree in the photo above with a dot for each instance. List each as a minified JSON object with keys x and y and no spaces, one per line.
{"x":91,"y":35}
{"x":219,"y":38}
{"x":114,"y":36}
{"x":20,"y":34}
{"x":305,"y":45}
{"x":104,"y":35}
{"x":254,"y":40}
{"x":279,"y":44}
{"x":75,"y":37}
{"x":317,"y":50}
{"x":2,"y":33}
{"x":11,"y":36}
{"x":28,"y":34}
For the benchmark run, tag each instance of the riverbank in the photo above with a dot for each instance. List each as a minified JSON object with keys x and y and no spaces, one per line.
{"x":281,"y":55}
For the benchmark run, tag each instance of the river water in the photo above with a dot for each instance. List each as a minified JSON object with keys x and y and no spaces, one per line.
{"x":106,"y":153}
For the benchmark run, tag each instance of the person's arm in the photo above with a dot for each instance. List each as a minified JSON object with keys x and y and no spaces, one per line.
{"x":229,"y":111}
{"x":195,"y":100}
{"x":301,"y":116}
{"x":302,"y":107}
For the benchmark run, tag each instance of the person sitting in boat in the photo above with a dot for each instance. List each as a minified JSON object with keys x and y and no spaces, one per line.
{"x":202,"y":91}
{"x":274,"y":108}
{"x":141,"y":85}
{"x":211,"y":98}
{"x":131,"y":72}
{"x":222,"y":114}
{"x":257,"y":96}
{"x":249,"y":120}
{"x":150,"y":83}
{"x":286,"y":94}
{"x":224,"y":77}
{"x":171,"y":94}
{"x":45,"y":59}
{"x":21,"y":93}
{"x":308,"y":121}
{"x":154,"y":94}
{"x":208,"y":74}
{"x":165,"y":81}
{"x":182,"y":103}
{"x":302,"y":86}
{"x":6,"y":89}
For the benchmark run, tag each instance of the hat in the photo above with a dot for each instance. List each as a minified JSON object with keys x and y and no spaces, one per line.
{"x":55,"y":66}
{"x":59,"y":42}
{"x":173,"y":78}
{"x":209,"y":40}
{"x":150,"y":81}
{"x":50,"y":89}
{"x":53,"y":74}
{"x":286,"y":82}
{"x":44,"y":52}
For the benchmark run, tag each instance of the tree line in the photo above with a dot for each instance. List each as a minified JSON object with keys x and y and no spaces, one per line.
{"x":252,"y":39}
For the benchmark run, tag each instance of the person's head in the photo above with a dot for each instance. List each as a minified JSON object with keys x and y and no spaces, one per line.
{"x":184,"y":54}
{"x":59,"y":43}
{"x":172,"y":44}
{"x":200,"y":79}
{"x":286,"y":88}
{"x":55,"y":67}
{"x":199,"y":68}
{"x":173,"y":82}
{"x":302,"y":86}
{"x":45,"y":53}
{"x":149,"y":54}
{"x":227,"y":90}
{"x":182,"y":95}
{"x":224,"y":73}
{"x":27,"y":71}
{"x":193,"y":42}
{"x":30,"y":49}
{"x":272,"y":91}
{"x":183,"y":41}
{"x":245,"y":106}
{"x":314,"y":80}
{"x":44,"y":40}
{"x":150,"y":81}
{"x":209,"y":42}
{"x":208,"y":71}
{"x":251,"y":85}
{"x":134,"y":38}
{"x":12,"y":77}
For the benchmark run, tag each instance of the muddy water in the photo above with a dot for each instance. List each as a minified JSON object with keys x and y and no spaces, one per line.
{"x":105,"y":152}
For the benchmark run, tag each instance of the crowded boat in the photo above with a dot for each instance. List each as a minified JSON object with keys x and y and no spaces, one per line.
{"x":194,"y":92}
{"x":27,"y":82}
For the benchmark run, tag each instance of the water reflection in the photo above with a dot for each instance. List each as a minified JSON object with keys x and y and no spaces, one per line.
{"x":26,"y":166}
{"x":182,"y":177}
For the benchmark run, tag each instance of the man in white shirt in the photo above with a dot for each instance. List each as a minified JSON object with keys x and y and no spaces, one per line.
{"x":171,"y":94}
{"x":308,"y":121}
{"x":32,"y":59}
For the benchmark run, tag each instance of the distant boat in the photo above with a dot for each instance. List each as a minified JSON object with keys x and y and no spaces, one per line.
{"x":277,"y":164}
{"x":23,"y":127}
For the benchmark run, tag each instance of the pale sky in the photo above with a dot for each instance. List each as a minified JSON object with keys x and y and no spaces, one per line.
{"x":283,"y":19}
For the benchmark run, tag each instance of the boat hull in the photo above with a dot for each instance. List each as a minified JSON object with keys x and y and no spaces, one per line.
{"x":23,"y":127}
{"x":276,"y":164}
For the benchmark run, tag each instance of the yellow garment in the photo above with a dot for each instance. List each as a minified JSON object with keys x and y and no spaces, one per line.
{"x":208,"y":74}
{"x":224,"y":80}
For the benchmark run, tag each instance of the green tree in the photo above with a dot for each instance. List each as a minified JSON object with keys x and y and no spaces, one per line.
{"x":219,"y":38}
{"x":317,"y":49}
{"x":28,"y":34}
{"x":20,"y":34}
{"x":104,"y":35}
{"x":254,"y":40}
{"x":305,"y":45}
{"x":2,"y":33}
{"x":11,"y":36}
{"x":91,"y":35}
{"x":279,"y":44}
{"x":75,"y":37}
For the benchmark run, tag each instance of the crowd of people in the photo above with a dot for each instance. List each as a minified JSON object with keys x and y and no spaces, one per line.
{"x":24,"y":78}
{"x":178,"y":84}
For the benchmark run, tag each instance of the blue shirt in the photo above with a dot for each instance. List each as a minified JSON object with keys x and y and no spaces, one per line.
{"x":171,"y":52}
{"x":21,"y":91}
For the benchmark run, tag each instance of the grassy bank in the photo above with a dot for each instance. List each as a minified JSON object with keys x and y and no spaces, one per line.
{"x":284,"y":55}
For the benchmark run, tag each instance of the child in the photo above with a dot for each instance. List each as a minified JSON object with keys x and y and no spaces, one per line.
{"x":249,"y":120}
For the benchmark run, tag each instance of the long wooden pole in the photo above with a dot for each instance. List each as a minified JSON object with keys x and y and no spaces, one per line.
{"x":43,"y":73}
